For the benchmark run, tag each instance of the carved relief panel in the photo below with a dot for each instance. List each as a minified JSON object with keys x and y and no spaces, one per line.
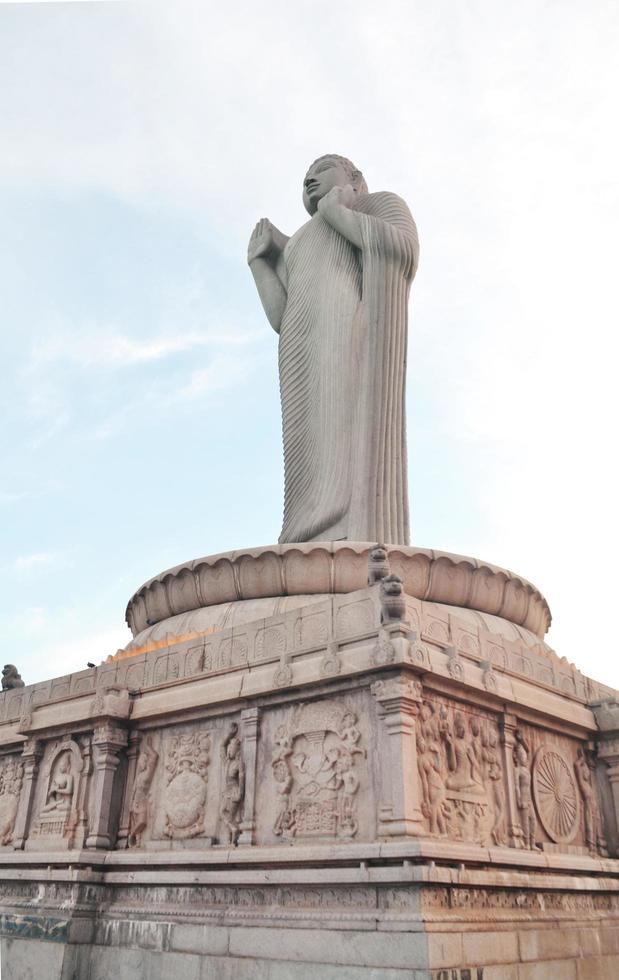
{"x":187,"y":785}
{"x":560,"y":809}
{"x":11,"y":778}
{"x":315,"y":782}
{"x":460,"y":772}
{"x":60,"y":809}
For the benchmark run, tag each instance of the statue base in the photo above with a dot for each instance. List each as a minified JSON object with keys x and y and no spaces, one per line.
{"x":289,"y":772}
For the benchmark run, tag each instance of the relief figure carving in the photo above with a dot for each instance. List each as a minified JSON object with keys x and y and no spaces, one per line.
{"x":461,"y":758}
{"x":432,"y":785}
{"x":11,"y":776}
{"x":314,"y":769}
{"x":138,"y":810}
{"x":491,"y":755}
{"x":584,"y":768}
{"x":233,"y":790}
{"x":524,"y":799}
{"x":60,"y":790}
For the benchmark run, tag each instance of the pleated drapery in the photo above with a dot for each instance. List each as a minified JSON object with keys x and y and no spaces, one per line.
{"x":342,"y":363}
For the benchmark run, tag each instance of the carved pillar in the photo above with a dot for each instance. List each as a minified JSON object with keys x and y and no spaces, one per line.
{"x":607,"y":717}
{"x":108,"y":742}
{"x":250,"y":725}
{"x":399,"y":812}
{"x":31,"y":755}
{"x":122,"y":839}
{"x":608,"y":752}
{"x":507,"y":726}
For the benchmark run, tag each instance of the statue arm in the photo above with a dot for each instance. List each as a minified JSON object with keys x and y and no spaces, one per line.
{"x":271,"y":290}
{"x":335,"y":208}
{"x":265,"y":255}
{"x":379,"y":223}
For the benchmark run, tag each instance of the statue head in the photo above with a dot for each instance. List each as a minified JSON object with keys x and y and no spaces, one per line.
{"x":328,"y":172}
{"x":392,"y":585}
{"x":11,"y":677}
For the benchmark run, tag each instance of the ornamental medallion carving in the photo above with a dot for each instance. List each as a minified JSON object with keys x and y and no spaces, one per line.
{"x":556,"y":795}
{"x":316,"y":774}
{"x":184,"y":797}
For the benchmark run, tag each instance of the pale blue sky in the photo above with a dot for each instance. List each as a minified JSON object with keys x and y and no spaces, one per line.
{"x":139,"y":143}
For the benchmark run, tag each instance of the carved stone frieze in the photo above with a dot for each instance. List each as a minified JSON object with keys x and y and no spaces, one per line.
{"x":585,"y":770}
{"x":524,"y":798}
{"x":187,"y":759}
{"x":556,"y":795}
{"x":11,"y":778}
{"x":139,"y":806}
{"x":233,"y":786}
{"x":61,"y":808}
{"x":315,"y":770}
{"x":461,"y":773}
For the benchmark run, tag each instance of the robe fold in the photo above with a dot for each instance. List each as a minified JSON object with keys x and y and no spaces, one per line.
{"x":342,"y":367}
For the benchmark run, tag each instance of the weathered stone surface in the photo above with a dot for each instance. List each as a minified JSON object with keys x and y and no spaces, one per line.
{"x":283,"y":572}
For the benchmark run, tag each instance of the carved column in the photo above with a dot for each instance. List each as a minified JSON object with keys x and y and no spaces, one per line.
{"x":607,"y":717}
{"x":31,"y":755}
{"x":507,"y":726}
{"x":608,"y":752}
{"x":250,"y":726}
{"x":122,"y":839}
{"x":109,"y":740}
{"x":399,"y":813}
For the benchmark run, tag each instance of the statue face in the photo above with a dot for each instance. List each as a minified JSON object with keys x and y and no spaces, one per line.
{"x":320,"y":179}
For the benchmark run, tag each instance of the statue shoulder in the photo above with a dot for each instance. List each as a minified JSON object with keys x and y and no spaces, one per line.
{"x":382,"y":202}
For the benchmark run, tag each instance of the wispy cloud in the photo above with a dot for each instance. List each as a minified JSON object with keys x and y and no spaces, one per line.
{"x":103,"y":347}
{"x":222,"y":372}
{"x":40,"y":560}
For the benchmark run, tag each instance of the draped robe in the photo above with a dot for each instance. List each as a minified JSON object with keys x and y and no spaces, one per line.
{"x":342,"y":366}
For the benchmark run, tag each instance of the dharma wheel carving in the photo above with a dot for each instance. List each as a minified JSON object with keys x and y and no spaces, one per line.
{"x":556,"y":795}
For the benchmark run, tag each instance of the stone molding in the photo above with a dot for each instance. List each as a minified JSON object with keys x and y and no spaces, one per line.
{"x":336,"y":567}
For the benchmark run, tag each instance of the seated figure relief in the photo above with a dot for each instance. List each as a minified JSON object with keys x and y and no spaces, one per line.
{"x":60,"y":792}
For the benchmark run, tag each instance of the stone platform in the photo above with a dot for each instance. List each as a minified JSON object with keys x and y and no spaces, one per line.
{"x":289,"y":773}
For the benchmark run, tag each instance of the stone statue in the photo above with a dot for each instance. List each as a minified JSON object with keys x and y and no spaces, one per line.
{"x":11,"y":677}
{"x":336,"y":292}
{"x":378,"y":564}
